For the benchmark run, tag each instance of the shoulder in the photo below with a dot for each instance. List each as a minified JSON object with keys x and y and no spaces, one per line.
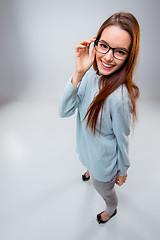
{"x":88,"y":78}
{"x":91,"y":74}
{"x":87,"y":82}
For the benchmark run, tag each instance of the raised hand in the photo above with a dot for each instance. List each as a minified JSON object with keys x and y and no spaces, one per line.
{"x":83,"y":61}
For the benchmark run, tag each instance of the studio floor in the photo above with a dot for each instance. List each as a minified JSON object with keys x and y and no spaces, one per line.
{"x":42,"y":194}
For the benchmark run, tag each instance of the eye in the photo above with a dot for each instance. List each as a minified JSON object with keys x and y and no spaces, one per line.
{"x":120,"y":52}
{"x":102,"y":45}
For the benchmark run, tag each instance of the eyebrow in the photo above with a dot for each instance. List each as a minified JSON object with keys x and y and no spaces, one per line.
{"x":114,"y":48}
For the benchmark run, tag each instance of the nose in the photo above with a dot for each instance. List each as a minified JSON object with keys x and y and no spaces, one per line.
{"x":109,"y":55}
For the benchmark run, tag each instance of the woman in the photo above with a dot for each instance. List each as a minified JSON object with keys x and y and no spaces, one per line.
{"x":103,"y":92}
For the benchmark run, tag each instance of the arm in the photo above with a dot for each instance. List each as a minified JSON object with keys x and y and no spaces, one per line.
{"x":121,"y":121}
{"x":69,"y":101}
{"x":74,"y":92}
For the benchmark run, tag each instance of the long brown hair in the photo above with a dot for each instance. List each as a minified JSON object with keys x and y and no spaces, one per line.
{"x":107,"y":84}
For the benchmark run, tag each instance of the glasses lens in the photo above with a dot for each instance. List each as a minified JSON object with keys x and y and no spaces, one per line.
{"x":101,"y":47}
{"x":120,"y":54}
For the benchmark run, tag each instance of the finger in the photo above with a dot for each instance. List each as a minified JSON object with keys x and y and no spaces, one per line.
{"x":92,"y":39}
{"x":85,"y":42}
{"x":80,"y":46}
{"x":88,"y":41}
{"x":117,"y":182}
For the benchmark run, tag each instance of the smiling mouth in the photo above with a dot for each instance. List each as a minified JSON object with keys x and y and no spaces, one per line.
{"x":106,"y":65}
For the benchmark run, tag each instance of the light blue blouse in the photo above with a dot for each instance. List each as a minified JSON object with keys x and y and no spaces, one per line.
{"x":106,"y":153}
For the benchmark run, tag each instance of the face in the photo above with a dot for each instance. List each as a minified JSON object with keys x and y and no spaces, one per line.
{"x":115,"y":37}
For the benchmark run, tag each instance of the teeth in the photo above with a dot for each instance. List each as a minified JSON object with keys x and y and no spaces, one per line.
{"x":106,"y":65}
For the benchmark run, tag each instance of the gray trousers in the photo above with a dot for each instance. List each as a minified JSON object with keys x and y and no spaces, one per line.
{"x":107,"y":192}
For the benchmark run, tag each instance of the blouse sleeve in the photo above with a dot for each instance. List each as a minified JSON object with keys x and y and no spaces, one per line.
{"x":121,"y":122}
{"x":68,"y":101}
{"x":72,"y":97}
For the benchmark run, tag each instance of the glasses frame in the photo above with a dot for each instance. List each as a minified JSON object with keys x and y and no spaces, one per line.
{"x":96,"y":43}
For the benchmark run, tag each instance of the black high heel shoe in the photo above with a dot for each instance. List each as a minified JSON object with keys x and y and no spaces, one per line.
{"x":84,"y":178}
{"x":99,"y":219}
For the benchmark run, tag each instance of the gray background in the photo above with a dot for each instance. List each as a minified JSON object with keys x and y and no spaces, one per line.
{"x":42,"y":195}
{"x":38,"y":39}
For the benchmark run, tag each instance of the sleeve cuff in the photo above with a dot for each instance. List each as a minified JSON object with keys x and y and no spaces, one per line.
{"x":71,"y":89}
{"x":123,"y":172}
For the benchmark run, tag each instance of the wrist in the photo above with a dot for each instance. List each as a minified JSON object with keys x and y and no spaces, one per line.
{"x":76,"y":78}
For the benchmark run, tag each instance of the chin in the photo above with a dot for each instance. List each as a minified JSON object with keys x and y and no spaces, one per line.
{"x":106,"y":73}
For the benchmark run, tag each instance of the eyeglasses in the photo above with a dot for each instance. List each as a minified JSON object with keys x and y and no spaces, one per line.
{"x":118,"y":53}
